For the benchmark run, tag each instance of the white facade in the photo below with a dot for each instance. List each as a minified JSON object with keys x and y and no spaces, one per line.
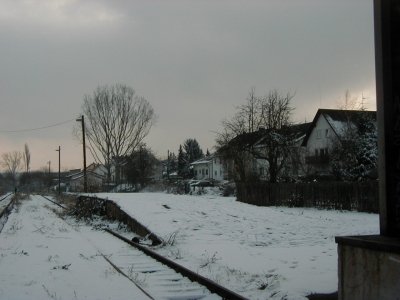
{"x":211,"y":167}
{"x":321,"y":137}
{"x":329,"y":125}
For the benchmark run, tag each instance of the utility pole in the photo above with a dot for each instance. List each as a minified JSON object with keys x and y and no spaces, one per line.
{"x":82,"y":120}
{"x":168,"y":165}
{"x":59,"y":169}
{"x":49,"y":162}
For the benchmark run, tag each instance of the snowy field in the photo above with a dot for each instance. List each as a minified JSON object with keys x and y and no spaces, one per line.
{"x":258,"y":252}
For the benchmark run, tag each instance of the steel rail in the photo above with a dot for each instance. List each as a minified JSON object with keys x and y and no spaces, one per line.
{"x":56,"y":203}
{"x":6,"y":210}
{"x":8,"y":207}
{"x":209,"y":284}
{"x":5,"y":196}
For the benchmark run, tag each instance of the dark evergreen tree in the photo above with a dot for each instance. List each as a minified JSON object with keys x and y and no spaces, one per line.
{"x":172,"y":163}
{"x":140,"y":166}
{"x":182,"y":163}
{"x":193,"y":151}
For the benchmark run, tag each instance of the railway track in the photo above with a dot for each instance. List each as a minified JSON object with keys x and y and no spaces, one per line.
{"x":3,"y":197}
{"x":6,"y":203}
{"x":158,"y":273}
{"x":157,"y":276}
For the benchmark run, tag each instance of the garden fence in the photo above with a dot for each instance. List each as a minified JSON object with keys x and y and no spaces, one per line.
{"x":357,"y":196}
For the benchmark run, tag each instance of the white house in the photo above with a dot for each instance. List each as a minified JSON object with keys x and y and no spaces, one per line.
{"x":209,"y":167}
{"x":328,"y":126}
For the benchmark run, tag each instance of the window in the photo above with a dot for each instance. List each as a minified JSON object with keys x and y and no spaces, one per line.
{"x":261,"y":171}
{"x":216,"y":173}
{"x":326,"y":132}
{"x":206,"y":171}
{"x":318,"y":133}
{"x":323,"y":152}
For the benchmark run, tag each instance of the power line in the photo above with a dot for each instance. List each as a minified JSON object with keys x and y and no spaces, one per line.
{"x":38,"y":128}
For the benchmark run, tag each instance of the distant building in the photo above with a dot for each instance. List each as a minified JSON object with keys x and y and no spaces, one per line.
{"x":210,"y":167}
{"x":96,"y":178}
{"x":250,"y":152}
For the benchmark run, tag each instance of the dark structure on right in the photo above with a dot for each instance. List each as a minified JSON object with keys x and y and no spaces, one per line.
{"x":369,"y":266}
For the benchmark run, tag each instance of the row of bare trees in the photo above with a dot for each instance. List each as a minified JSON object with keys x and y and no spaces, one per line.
{"x":14,"y":161}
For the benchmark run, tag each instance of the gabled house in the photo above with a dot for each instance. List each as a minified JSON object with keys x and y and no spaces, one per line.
{"x":239,"y":161}
{"x":96,"y":177}
{"x":257,"y":154}
{"x":290,"y":158}
{"x":328,"y":127}
{"x":210,"y":167}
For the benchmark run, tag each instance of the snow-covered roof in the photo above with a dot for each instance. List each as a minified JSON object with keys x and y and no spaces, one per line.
{"x":256,"y":138}
{"x":294,"y":132}
{"x":339,"y":120}
{"x":204,"y":160}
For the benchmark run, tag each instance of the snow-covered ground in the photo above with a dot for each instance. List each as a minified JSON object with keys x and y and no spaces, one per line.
{"x":43,"y":257}
{"x":259,"y":252}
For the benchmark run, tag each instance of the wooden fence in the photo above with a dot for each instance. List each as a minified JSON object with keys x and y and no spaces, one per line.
{"x":358,"y":196}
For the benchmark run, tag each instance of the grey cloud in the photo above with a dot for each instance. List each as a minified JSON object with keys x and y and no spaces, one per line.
{"x":193,"y":60}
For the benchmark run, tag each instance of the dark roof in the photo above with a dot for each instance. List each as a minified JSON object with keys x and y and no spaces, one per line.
{"x":246,"y":140}
{"x":334,"y":116}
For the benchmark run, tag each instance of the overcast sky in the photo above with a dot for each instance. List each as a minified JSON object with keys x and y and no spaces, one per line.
{"x":193,"y":60}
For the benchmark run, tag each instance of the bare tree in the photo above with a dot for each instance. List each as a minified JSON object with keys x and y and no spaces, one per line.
{"x":11,"y":161}
{"x":26,"y":155}
{"x":278,"y":140}
{"x":351,"y":102}
{"x":271,"y":114}
{"x":248,"y":118}
{"x":117,"y":122}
